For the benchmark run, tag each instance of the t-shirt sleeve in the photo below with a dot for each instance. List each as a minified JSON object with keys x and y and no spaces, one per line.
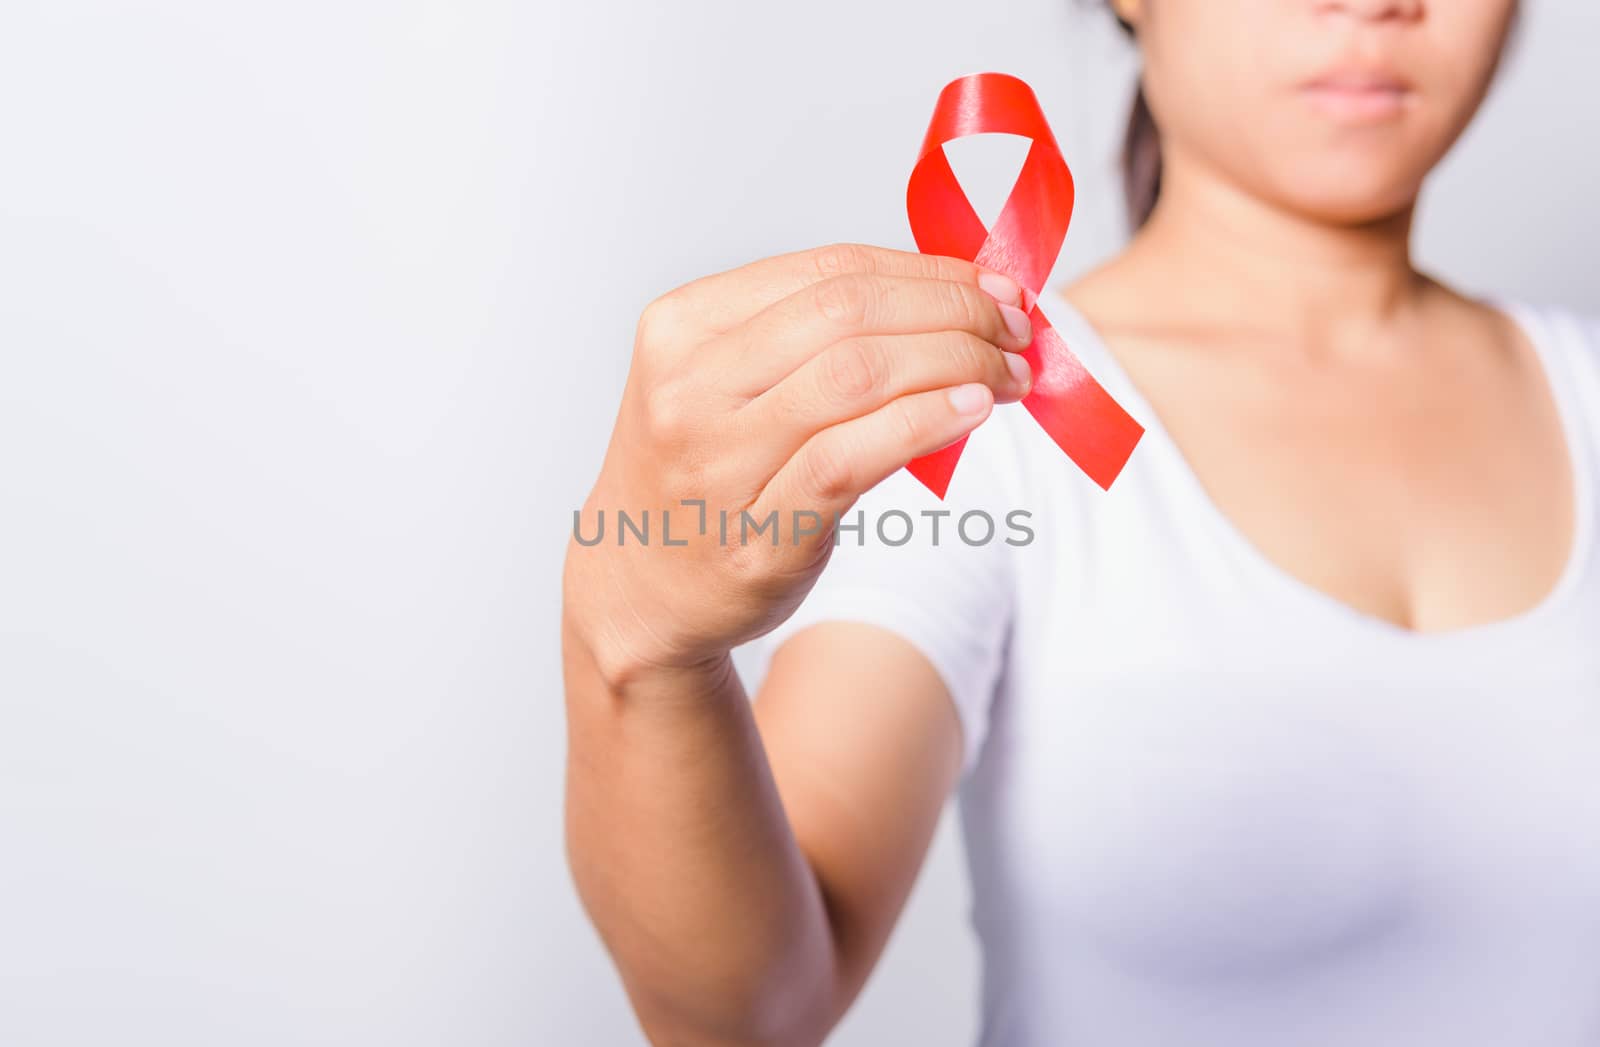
{"x":938,"y":574}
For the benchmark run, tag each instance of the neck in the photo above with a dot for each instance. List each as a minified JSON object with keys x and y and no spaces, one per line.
{"x":1233,"y":255}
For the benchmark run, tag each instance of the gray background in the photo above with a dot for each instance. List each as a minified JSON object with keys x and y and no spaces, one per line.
{"x":313,"y":316}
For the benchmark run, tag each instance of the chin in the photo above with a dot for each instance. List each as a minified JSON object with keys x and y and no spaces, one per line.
{"x":1335,"y":194}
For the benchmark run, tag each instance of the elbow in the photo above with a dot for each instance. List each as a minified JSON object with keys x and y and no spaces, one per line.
{"x":667,"y":1032}
{"x":779,"y":1010}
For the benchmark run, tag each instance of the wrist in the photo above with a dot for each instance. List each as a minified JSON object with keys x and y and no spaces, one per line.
{"x":624,"y":672}
{"x":623,"y":652}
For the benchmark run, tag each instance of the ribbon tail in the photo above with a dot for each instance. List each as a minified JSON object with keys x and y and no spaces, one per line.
{"x":1075,"y":409}
{"x":936,"y":468}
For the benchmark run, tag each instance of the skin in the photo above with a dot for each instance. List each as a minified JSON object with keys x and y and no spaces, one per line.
{"x":1356,"y":420}
{"x":745,"y":861}
{"x":744,"y":866}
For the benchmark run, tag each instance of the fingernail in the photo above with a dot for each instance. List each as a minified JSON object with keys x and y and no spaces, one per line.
{"x":1021,"y":373}
{"x":972,"y":398}
{"x":1000,"y":287}
{"x":1017,"y":323}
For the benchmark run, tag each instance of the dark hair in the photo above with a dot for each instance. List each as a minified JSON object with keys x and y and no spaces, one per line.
{"x":1141,"y":154}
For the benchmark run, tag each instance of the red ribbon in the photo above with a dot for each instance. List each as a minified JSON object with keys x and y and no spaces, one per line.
{"x":1080,"y":416}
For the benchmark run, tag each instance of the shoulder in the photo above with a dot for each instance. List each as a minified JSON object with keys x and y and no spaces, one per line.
{"x":1569,"y":335}
{"x":1573,"y":328}
{"x":1568,"y":339}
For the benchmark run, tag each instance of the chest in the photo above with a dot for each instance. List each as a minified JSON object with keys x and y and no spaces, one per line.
{"x":1431,"y":493}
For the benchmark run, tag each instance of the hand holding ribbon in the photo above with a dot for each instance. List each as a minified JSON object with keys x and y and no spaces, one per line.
{"x":1066,"y":401}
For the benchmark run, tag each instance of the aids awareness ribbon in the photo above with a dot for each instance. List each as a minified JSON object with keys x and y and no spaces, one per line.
{"x":1066,"y":401}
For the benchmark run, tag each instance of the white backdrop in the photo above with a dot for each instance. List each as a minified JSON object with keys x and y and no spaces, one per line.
{"x":313,"y":316}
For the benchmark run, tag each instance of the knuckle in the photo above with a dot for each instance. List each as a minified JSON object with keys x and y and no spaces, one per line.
{"x":977,"y":312}
{"x":906,"y":422}
{"x":854,"y":370}
{"x":840,"y":258}
{"x":666,"y":410}
{"x":948,"y":267}
{"x":826,"y":470}
{"x":977,"y":359}
{"x":660,"y":320}
{"x":844,"y":300}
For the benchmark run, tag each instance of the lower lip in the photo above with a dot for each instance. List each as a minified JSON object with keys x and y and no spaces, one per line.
{"x":1358,"y":104}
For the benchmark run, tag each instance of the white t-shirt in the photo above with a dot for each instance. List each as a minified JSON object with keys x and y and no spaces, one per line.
{"x":1205,"y":803}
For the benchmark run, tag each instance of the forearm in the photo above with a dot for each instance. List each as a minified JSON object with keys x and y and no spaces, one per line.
{"x":684,"y":859}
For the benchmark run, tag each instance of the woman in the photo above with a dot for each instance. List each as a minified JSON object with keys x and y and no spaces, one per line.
{"x":1291,"y":737}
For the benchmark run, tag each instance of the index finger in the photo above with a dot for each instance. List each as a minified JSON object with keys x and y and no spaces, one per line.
{"x":722,"y":301}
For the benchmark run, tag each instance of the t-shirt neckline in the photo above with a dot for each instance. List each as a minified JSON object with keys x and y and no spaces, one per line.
{"x":1083,"y":339}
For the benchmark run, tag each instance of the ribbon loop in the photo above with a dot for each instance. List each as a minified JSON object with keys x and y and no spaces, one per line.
{"x":1066,"y":401}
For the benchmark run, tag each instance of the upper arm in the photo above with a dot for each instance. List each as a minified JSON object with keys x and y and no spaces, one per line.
{"x":865,"y":746}
{"x":876,"y":694}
